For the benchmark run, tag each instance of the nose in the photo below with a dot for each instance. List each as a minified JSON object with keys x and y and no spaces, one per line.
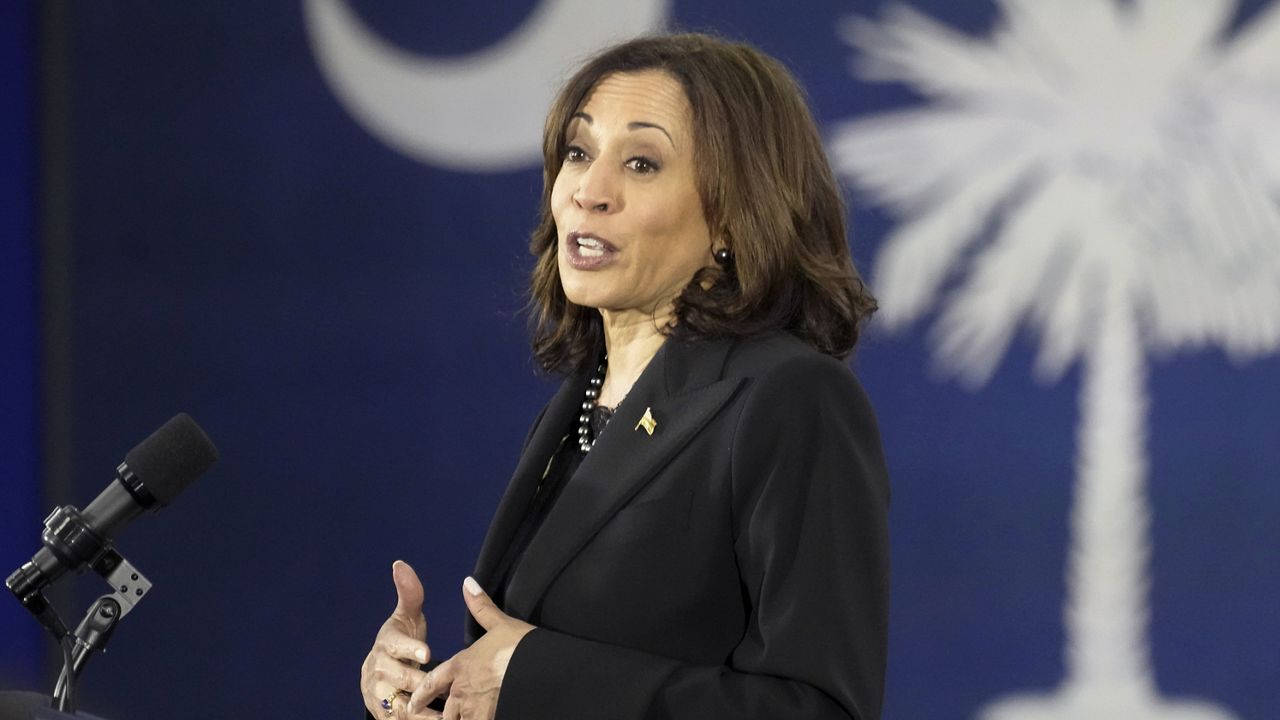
{"x":598,"y":189}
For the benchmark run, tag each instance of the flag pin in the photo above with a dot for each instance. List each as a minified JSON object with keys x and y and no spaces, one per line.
{"x":647,"y":422}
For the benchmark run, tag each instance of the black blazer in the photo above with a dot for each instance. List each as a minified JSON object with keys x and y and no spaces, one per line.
{"x":733,"y":564}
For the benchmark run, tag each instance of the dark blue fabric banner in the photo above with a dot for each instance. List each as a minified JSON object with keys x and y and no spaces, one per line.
{"x":305,"y":224}
{"x":20,"y":639}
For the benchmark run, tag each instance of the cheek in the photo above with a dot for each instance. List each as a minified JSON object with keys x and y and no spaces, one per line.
{"x":561,"y":194}
{"x":688,"y":245}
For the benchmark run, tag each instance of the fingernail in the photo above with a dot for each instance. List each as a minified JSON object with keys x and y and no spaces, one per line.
{"x":472,"y":586}
{"x":421,"y":655}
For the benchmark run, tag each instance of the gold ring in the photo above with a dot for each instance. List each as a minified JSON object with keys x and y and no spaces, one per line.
{"x":389,"y":703}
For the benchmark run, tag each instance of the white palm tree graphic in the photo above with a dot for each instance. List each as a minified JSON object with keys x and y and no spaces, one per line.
{"x":1109,"y":172}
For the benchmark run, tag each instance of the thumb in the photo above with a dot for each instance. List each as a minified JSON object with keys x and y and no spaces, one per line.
{"x":481,"y":605}
{"x":408,"y":591}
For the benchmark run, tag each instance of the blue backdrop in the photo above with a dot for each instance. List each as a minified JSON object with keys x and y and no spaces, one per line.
{"x":20,"y":645}
{"x":345,"y":322}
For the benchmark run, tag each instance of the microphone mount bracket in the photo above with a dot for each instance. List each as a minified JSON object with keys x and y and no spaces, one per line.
{"x":128,"y":584}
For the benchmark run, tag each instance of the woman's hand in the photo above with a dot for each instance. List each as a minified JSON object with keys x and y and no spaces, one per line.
{"x":473,"y":678}
{"x":392,"y":664}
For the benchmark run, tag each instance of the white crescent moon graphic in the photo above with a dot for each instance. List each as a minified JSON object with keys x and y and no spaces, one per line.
{"x":477,"y":112}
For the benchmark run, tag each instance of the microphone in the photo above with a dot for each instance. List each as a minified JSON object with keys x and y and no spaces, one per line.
{"x":151,"y":476}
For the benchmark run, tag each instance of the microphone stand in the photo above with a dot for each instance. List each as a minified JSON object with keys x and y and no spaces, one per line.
{"x":128,"y":586}
{"x":91,"y":636}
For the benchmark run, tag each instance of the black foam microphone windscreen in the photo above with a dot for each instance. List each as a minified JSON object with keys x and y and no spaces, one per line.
{"x":171,"y":458}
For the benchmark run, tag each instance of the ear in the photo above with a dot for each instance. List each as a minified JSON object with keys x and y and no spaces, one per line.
{"x":719,"y":241}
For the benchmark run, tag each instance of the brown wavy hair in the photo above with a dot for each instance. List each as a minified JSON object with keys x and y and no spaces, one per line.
{"x":767,"y":191}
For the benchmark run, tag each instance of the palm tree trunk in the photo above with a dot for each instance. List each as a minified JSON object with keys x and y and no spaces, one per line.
{"x":1107,"y":584}
{"x":1108,"y":657}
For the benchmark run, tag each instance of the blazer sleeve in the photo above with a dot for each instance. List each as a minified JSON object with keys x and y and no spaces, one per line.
{"x":810,"y":506}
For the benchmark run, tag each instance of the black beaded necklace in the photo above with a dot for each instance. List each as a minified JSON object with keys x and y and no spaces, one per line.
{"x":594,"y":415}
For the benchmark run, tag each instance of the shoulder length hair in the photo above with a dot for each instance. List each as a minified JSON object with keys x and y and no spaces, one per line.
{"x":767,"y":192}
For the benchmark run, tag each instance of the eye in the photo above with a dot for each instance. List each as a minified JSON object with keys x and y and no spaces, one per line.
{"x":643,"y":165}
{"x":574,"y":154}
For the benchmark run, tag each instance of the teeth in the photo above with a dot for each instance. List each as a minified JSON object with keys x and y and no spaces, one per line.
{"x":590,"y":247}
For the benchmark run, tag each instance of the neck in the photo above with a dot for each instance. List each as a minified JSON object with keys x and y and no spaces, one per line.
{"x":631,"y":340}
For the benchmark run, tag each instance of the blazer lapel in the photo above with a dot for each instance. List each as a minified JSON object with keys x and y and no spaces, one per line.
{"x":532,"y":466}
{"x":680,"y":392}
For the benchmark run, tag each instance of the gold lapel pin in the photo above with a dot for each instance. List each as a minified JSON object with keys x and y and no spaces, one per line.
{"x":647,"y":422}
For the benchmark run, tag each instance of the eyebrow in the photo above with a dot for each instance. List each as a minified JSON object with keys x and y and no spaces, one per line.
{"x":636,"y":125}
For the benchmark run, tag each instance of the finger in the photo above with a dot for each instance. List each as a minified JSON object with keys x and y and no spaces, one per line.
{"x":397,"y":675}
{"x":403,"y":647}
{"x":435,"y":684}
{"x":381,"y":677}
{"x":480,"y":605}
{"x":427,"y":714}
{"x":408,"y":591}
{"x":373,"y":700}
{"x":452,"y":709}
{"x":400,"y":707}
{"x":383,"y":696}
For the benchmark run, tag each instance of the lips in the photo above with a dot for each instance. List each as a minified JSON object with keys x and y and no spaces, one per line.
{"x":588,"y":251}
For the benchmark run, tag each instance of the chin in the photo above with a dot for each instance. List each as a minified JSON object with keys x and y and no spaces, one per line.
{"x":582,"y":288}
{"x":585,"y":299}
{"x":579,"y":291}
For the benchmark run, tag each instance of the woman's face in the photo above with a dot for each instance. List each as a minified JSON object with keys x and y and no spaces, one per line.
{"x":628,"y":215}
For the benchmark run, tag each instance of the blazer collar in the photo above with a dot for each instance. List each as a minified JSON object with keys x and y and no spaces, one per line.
{"x":680,"y":390}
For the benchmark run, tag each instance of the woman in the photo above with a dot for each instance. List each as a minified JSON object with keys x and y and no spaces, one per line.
{"x":697,"y":524}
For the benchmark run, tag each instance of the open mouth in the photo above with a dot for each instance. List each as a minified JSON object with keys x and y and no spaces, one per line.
{"x":588,"y":252}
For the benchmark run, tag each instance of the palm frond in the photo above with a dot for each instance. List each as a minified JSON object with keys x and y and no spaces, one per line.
{"x":935,"y":60}
{"x":1225,"y":289}
{"x":1171,"y":29}
{"x":1252,"y":53}
{"x":913,"y":160}
{"x":1065,"y":319}
{"x":950,"y":172}
{"x":1058,"y":37}
{"x":974,"y":330}
{"x":1245,"y":116}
